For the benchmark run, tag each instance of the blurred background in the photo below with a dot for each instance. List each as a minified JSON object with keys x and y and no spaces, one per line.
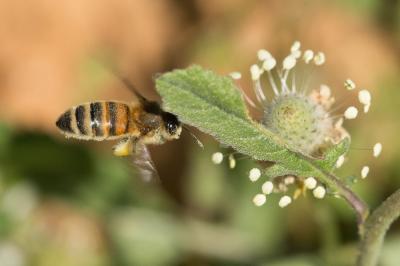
{"x":65,"y":202}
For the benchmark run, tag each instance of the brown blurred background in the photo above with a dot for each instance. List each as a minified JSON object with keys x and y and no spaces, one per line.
{"x":64,"y":202}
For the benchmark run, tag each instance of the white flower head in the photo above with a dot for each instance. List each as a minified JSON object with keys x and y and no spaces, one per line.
{"x":310,"y":183}
{"x":319,"y":192}
{"x":351,"y":113}
{"x":267,"y":187}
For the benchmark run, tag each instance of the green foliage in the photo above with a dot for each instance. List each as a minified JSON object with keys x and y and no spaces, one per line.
{"x":214,"y":105}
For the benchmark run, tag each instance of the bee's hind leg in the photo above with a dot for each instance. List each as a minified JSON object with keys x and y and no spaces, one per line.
{"x":124,"y":147}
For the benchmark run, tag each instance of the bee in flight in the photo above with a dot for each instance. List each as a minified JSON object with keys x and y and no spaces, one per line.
{"x":135,"y":124}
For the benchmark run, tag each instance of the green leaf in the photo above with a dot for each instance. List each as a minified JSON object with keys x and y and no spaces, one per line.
{"x":332,"y":155}
{"x":214,"y":105}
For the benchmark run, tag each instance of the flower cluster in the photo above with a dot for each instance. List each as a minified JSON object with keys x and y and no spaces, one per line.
{"x":304,"y":119}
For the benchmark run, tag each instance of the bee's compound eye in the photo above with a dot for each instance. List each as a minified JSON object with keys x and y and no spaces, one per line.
{"x":171,"y":128}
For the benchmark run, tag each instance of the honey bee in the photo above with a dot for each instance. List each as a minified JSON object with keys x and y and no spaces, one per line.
{"x":136,"y":124}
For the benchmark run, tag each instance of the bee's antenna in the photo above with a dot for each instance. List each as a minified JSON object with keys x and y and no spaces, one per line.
{"x":194,"y":136}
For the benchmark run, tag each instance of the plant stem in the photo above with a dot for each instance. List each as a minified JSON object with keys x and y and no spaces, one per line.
{"x":375,"y":229}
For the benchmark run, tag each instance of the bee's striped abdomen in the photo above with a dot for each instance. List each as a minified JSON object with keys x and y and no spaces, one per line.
{"x":97,"y":121}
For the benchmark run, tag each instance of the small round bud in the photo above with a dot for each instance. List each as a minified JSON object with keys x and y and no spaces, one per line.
{"x":259,"y":200}
{"x":254,"y":174}
{"x":310,"y":183}
{"x":267,"y":187}
{"x":217,"y":158}
{"x":351,"y":112}
{"x":319,"y":192}
{"x":377,"y":149}
{"x":289,"y":180}
{"x":364,"y":171}
{"x":285,"y":201}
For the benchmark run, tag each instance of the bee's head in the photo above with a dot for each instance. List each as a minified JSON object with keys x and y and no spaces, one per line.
{"x":173,"y":127}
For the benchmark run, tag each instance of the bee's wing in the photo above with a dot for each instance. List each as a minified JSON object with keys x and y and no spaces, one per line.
{"x":142,"y":160}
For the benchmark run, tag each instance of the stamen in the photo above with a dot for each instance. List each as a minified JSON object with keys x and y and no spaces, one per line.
{"x":319,"y":58}
{"x":254,"y":174}
{"x":308,"y":56}
{"x":377,"y":149}
{"x":263,"y":55}
{"x":267,"y":187}
{"x":364,"y":172}
{"x":285,"y":201}
{"x":319,"y":192}
{"x":340,"y":161}
{"x":259,"y":199}
{"x":232,"y":161}
{"x":366,"y":108}
{"x":295,"y":46}
{"x":217,"y":158}
{"x":364,"y":97}
{"x":269,"y":64}
{"x":351,"y":112}
{"x":349,"y":84}
{"x":255,"y":72}
{"x":289,"y":62}
{"x":310,"y":183}
{"x":235,"y":75}
{"x":325,"y":91}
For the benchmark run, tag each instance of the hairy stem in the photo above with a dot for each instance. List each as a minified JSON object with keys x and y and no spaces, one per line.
{"x":375,"y":229}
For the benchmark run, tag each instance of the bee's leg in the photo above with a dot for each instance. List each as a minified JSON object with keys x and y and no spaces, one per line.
{"x":124,"y":147}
